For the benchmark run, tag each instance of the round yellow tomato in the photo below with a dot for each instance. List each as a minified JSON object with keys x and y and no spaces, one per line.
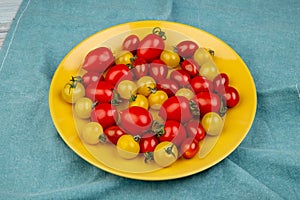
{"x":127,"y":147}
{"x":209,"y":70}
{"x":212,"y":123}
{"x":73,"y":91}
{"x":124,"y":57}
{"x":139,"y":100}
{"x":126,"y":89}
{"x":83,"y":107}
{"x":165,"y":154}
{"x":185,"y":92}
{"x":202,"y":56}
{"x":145,"y":85}
{"x":91,"y":132}
{"x":157,"y":98}
{"x":171,"y":58}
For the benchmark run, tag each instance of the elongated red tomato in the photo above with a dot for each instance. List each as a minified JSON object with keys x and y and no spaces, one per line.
{"x":201,"y":84}
{"x":148,"y":143}
{"x":113,"y":133}
{"x":131,"y":43}
{"x":117,"y":73}
{"x":158,"y":70}
{"x":150,"y":47}
{"x":190,"y":66}
{"x":231,"y":96}
{"x":91,"y":77}
{"x":98,"y":60}
{"x":208,"y":102}
{"x":167,"y":85}
{"x":195,"y":130}
{"x":176,"y":108}
{"x":189,"y":148}
{"x":181,"y":77}
{"x":140,"y":68}
{"x":105,"y":114}
{"x":186,"y":48}
{"x":173,"y":131}
{"x":101,"y":91}
{"x":135,"y":120}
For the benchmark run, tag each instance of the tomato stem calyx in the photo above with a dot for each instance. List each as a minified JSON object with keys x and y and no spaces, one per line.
{"x":102,"y":138}
{"x":169,"y":150}
{"x":194,"y":108}
{"x":148,"y":157}
{"x":159,"y":32}
{"x":158,"y":128}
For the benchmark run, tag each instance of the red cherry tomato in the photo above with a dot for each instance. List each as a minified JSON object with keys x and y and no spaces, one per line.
{"x":150,"y":47}
{"x":181,"y":77}
{"x":118,"y":73}
{"x":135,"y":120}
{"x":91,"y":77}
{"x":113,"y":133}
{"x":131,"y":43}
{"x":195,"y":130}
{"x":208,"y":102}
{"x":176,"y":108}
{"x":101,"y":91}
{"x":158,"y":70}
{"x":189,"y":148}
{"x":186,"y":48}
{"x":167,"y":85}
{"x":148,"y":143}
{"x":231,"y":96}
{"x":219,"y":82}
{"x":172,"y":131}
{"x":98,"y":60}
{"x":191,"y":67}
{"x":105,"y":114}
{"x":201,"y":84}
{"x":140,"y":68}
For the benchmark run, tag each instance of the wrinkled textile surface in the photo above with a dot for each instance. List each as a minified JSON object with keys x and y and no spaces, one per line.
{"x":35,"y":163}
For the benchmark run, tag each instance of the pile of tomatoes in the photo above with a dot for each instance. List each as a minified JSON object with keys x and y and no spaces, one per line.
{"x":150,"y":99}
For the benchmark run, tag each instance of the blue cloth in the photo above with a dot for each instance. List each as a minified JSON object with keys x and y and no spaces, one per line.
{"x":35,"y":163}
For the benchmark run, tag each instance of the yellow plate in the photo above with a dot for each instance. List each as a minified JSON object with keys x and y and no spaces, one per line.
{"x":238,"y":119}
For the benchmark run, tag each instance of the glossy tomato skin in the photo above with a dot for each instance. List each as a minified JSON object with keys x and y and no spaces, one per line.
{"x":117,"y":73}
{"x":174,"y":132}
{"x":113,"y":133}
{"x":190,"y":66}
{"x":98,"y":60}
{"x":135,"y":120}
{"x":150,"y":47}
{"x":220,"y":82}
{"x":201,"y":84}
{"x":105,"y":114}
{"x":181,"y":77}
{"x":176,"y":108}
{"x":186,"y":48}
{"x":131,"y":43}
{"x":148,"y":143}
{"x":195,"y":130}
{"x":91,"y":77}
{"x":189,"y":148}
{"x":231,"y":96}
{"x":208,"y":102}
{"x":158,"y":70}
{"x":101,"y":91}
{"x":167,"y":85}
{"x":140,"y":68}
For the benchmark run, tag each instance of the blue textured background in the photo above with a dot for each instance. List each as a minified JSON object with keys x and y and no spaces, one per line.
{"x":36,"y":164}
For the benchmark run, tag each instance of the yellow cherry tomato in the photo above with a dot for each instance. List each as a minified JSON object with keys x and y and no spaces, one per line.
{"x":209,"y":70}
{"x":73,"y":91}
{"x":83,"y":107}
{"x":185,"y":92}
{"x":139,"y":100}
{"x":145,"y":85}
{"x":212,"y":123}
{"x":126,"y":89}
{"x":91,"y":132}
{"x":128,"y":147}
{"x":157,"y":98}
{"x":124,"y":57}
{"x":171,"y":58}
{"x":202,"y":56}
{"x":165,"y":154}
